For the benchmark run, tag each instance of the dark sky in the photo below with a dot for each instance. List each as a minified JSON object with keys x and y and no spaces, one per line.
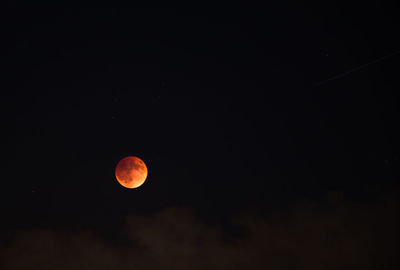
{"x":270,"y":135}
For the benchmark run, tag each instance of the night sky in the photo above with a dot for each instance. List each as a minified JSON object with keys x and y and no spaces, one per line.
{"x":270,"y":135}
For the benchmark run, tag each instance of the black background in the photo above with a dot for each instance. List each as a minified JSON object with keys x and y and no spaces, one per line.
{"x":225,"y":106}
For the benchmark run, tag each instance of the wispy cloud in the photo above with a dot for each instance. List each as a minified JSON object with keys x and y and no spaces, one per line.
{"x":334,"y":234}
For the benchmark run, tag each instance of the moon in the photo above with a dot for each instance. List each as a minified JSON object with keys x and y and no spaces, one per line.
{"x":131,"y":172}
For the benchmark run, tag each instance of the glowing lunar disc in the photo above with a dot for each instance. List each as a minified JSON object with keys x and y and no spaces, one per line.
{"x":131,"y":172}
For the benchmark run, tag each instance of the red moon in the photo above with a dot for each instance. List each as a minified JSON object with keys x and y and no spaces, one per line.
{"x":131,"y":172}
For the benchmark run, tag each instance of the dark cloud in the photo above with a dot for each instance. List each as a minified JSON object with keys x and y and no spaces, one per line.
{"x":333,"y":234}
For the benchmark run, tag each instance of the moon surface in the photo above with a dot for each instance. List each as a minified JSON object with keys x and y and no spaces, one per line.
{"x":131,"y":172}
